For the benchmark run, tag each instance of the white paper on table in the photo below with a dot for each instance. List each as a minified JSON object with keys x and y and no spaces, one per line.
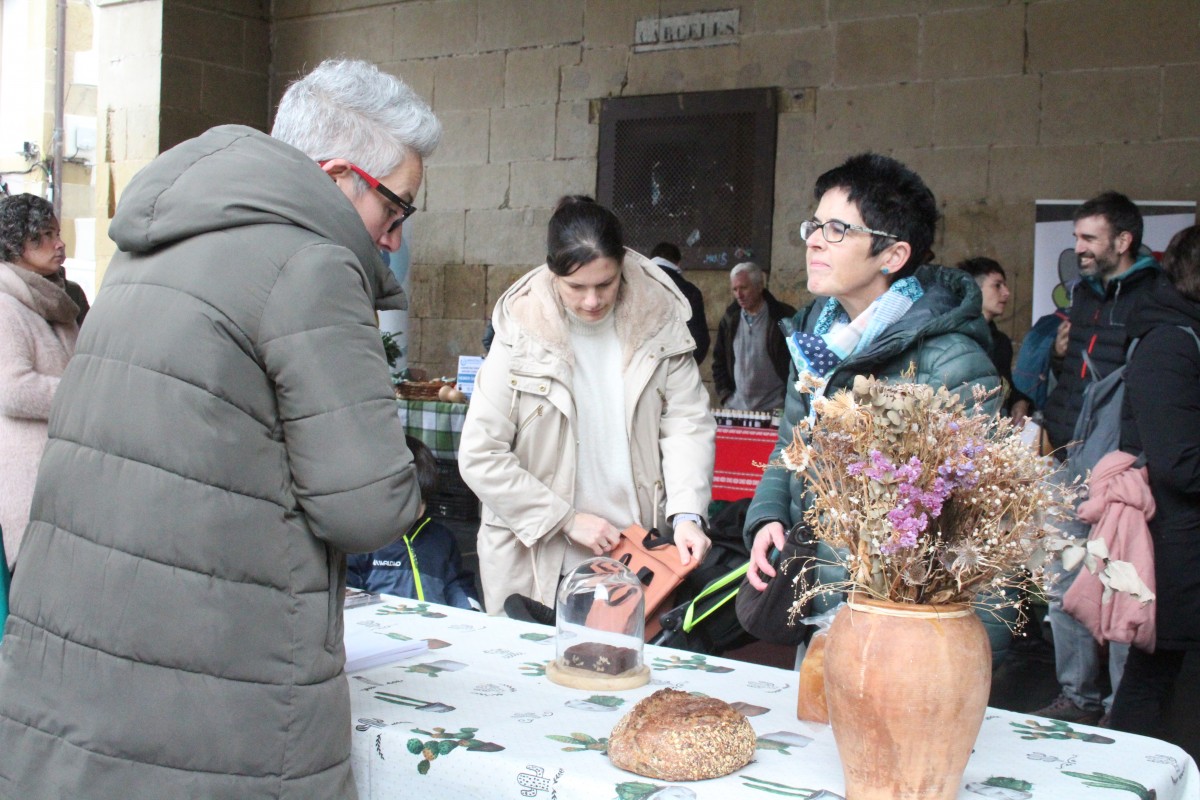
{"x":367,"y":648}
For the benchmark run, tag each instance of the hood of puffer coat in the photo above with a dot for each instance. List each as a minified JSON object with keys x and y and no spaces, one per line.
{"x":232,"y":176}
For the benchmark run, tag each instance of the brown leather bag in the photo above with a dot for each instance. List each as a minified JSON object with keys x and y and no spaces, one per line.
{"x":654,"y":559}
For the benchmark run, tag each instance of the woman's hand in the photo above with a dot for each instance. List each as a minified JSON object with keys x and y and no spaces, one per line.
{"x":691,"y":541}
{"x":595,"y":533}
{"x":1062,"y":338}
{"x":771,"y":534}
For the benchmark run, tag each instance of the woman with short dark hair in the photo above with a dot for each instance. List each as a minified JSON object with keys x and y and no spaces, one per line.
{"x":588,"y":415}
{"x":1161,"y":419}
{"x":37,"y":338}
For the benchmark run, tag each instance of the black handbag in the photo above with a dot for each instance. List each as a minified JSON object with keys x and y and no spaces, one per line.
{"x":765,"y":614}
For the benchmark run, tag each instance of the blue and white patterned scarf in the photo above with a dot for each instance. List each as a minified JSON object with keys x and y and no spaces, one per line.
{"x":836,"y":337}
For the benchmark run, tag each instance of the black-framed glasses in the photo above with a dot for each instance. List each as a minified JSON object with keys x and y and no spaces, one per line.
{"x":406,"y":209}
{"x":835,"y":230}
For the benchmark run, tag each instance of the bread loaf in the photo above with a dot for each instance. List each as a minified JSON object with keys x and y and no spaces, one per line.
{"x":675,"y":736}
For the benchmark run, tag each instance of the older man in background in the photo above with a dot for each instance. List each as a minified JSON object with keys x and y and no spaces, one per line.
{"x":224,"y":435}
{"x":750,"y":359}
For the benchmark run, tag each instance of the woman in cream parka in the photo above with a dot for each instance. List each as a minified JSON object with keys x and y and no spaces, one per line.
{"x":588,"y":414}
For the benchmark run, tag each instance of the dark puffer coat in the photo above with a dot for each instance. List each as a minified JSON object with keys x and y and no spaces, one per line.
{"x":1162,"y":419}
{"x":224,"y":433}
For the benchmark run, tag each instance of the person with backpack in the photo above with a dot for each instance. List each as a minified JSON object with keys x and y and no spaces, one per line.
{"x":1090,"y":345}
{"x":1162,"y":421}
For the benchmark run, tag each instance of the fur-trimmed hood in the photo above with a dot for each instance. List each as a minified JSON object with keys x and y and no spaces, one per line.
{"x":530,"y":316}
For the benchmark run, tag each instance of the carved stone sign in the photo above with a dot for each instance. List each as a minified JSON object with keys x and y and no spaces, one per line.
{"x":702,"y":29}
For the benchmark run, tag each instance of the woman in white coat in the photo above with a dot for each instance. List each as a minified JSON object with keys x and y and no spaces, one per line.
{"x":37,"y":338}
{"x":588,"y":414}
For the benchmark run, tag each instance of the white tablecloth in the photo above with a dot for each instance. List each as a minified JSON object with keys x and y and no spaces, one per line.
{"x":475,"y":717}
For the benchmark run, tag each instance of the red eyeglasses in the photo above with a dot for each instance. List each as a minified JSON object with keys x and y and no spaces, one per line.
{"x":406,"y":209}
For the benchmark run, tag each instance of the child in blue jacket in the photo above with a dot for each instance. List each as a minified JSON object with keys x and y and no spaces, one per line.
{"x":424,"y":564}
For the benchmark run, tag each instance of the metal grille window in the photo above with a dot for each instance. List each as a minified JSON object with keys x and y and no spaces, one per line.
{"x":694,"y":169}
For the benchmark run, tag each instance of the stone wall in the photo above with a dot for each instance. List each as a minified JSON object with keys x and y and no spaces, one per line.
{"x":997,"y":103}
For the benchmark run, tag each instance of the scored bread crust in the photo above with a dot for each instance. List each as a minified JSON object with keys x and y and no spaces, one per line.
{"x":675,"y":736}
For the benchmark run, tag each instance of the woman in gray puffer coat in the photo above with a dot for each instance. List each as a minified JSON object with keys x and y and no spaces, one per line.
{"x":224,"y":435}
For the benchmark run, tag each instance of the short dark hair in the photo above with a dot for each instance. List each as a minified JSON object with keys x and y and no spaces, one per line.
{"x":426,"y":466}
{"x":1181,"y":262}
{"x":24,"y":218}
{"x":979,"y":266}
{"x":891,"y":198}
{"x":668,"y":251}
{"x":580,"y":231}
{"x":1121,"y":213}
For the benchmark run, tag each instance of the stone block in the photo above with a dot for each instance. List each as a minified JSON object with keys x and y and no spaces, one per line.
{"x":609,"y":23}
{"x":865,"y":9}
{"x":1029,"y":172}
{"x":1106,"y":34}
{"x":436,"y":237}
{"x":210,"y":36}
{"x":794,"y":154}
{"x":468,"y":82}
{"x":1100,"y":106}
{"x":532,"y":77}
{"x":296,"y":46}
{"x":576,"y":135}
{"x":235,"y":95}
{"x":250,"y":9}
{"x":500,"y":278}
{"x":80,"y":30}
{"x":952,"y":44}
{"x":180,"y":124}
{"x":444,"y":340}
{"x":783,"y":15}
{"x":130,"y":28}
{"x":417,"y":74}
{"x":457,"y":187}
{"x":428,"y":283}
{"x":601,"y":72}
{"x":131,"y":80}
{"x":182,"y":82}
{"x":81,"y":100}
{"x":875,"y":117}
{"x":465,"y":291}
{"x":541,"y":183}
{"x":1153,"y":170}
{"x":987,"y":111}
{"x":464,"y":137}
{"x":522,"y":133}
{"x":790,"y":59}
{"x":509,"y":24}
{"x":256,"y":52}
{"x":1181,"y":101}
{"x":876,"y":51}
{"x":139,"y":132}
{"x":365,"y":34}
{"x":507,"y":237}
{"x":294,"y":9}
{"x":953,"y":174}
{"x":421,"y":30}
{"x":695,"y":69}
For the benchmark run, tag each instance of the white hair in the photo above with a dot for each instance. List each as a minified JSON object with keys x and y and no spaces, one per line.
{"x":350,"y":109}
{"x":754,"y":271}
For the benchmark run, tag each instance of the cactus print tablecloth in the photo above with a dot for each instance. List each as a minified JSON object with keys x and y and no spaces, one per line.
{"x":475,"y":717}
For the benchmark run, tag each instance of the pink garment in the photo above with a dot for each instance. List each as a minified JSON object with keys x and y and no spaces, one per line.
{"x":1119,"y":505}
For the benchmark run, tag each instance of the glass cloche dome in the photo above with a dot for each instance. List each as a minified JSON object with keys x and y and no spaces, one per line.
{"x":601,"y":622}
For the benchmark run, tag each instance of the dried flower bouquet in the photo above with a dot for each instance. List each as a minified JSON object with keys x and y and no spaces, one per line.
{"x":930,"y":501}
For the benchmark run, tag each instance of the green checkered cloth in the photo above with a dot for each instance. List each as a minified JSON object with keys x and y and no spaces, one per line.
{"x":438,"y":425}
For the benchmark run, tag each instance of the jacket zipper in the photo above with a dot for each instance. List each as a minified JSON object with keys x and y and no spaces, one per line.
{"x":537,"y":412}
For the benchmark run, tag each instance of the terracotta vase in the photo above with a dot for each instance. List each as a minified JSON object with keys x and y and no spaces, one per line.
{"x":907,"y":687}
